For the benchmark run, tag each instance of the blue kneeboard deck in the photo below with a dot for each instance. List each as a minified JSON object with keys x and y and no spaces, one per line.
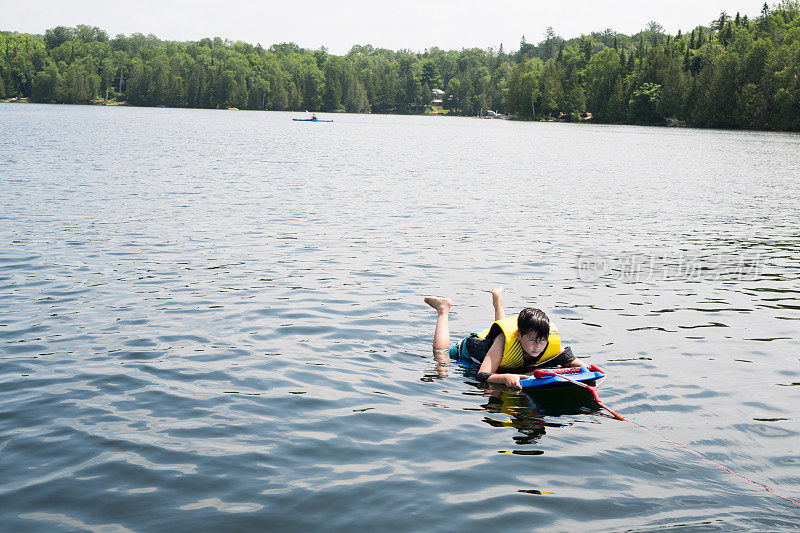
{"x":584,"y":375}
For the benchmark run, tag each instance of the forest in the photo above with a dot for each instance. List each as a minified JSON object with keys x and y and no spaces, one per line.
{"x":733,"y":72}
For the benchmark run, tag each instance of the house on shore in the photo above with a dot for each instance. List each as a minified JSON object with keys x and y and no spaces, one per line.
{"x":436,"y":101}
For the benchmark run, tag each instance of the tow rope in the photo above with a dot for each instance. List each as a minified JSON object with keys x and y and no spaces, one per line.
{"x":593,"y":390}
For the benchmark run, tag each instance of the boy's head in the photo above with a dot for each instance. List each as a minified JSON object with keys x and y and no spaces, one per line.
{"x":533,"y":323}
{"x":533,"y":328}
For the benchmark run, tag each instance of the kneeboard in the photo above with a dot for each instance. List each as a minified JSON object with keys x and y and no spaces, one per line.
{"x":581,"y":374}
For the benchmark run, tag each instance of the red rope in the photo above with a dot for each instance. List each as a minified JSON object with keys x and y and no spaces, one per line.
{"x":593,"y":390}
{"x":704,"y":458}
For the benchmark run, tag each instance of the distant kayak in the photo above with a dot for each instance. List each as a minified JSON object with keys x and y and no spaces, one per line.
{"x":310,"y":120}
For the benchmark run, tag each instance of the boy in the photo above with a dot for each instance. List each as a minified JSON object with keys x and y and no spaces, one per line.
{"x":517,"y":344}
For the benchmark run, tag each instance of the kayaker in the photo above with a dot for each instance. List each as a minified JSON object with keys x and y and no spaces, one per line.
{"x":512,"y":344}
{"x":313,"y":117}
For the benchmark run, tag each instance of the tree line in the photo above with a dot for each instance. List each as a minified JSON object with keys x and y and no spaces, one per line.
{"x":733,"y":72}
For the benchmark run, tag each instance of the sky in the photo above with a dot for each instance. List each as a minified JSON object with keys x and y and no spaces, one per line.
{"x":338,"y":25}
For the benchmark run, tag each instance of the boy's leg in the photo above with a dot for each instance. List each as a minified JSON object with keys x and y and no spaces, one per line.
{"x":441,"y":335}
{"x":497,"y":303}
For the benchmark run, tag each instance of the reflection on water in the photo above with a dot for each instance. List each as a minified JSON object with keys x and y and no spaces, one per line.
{"x":215,"y":319}
{"x":527,"y":412}
{"x":530,"y":412}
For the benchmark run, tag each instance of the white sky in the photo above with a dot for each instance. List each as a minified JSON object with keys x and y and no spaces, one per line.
{"x":411,"y":24}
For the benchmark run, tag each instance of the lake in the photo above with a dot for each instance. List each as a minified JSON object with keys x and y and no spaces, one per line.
{"x":213,"y":321}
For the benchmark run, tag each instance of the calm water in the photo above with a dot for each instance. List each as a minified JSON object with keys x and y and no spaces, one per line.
{"x":213,"y":320}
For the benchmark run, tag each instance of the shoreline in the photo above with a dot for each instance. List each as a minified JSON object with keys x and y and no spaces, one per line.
{"x":677,"y":125}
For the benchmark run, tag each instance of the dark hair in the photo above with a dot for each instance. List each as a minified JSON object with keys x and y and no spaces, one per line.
{"x":532,"y":320}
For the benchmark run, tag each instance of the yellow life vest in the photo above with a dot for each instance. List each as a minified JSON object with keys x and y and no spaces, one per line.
{"x":512,"y":350}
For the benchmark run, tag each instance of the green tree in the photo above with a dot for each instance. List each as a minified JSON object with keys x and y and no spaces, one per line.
{"x":717,"y":106}
{"x":55,"y":37}
{"x":47,"y":85}
{"x":550,"y":45}
{"x":655,"y":31}
{"x":89,"y":34}
{"x":602,"y":75}
{"x":752,"y":109}
{"x":586,"y":48}
{"x":719,"y":23}
{"x":522,"y":86}
{"x":642,"y":104}
{"x":672,"y":102}
{"x":280,"y":97}
{"x":551,"y":90}
{"x":356,"y":98}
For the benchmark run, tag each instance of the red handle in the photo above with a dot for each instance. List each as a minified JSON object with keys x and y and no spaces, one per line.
{"x":595,"y":368}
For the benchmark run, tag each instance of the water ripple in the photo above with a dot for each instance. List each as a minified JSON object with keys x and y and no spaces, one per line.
{"x":217,"y":334}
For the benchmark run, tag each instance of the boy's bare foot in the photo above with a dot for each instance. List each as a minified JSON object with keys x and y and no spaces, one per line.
{"x":442,"y":305}
{"x":497,"y":303}
{"x":497,"y":293}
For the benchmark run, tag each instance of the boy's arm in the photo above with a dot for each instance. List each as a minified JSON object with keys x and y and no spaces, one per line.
{"x":491,"y":363}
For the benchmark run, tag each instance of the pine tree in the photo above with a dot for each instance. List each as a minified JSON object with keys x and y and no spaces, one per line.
{"x":687,"y":59}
